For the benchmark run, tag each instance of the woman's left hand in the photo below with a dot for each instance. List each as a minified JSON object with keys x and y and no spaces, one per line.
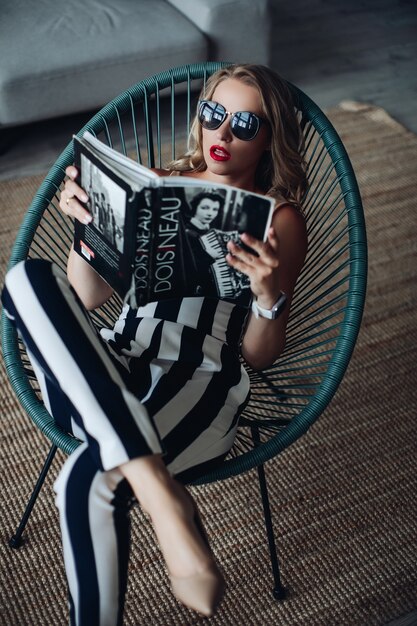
{"x":262,"y":270}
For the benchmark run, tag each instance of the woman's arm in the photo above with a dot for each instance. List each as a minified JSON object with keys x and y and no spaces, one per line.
{"x":92,"y":290}
{"x":275,"y":269}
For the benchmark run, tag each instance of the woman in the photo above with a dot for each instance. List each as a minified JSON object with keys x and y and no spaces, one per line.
{"x":205,"y":207}
{"x":205,"y":211}
{"x":156,"y":399}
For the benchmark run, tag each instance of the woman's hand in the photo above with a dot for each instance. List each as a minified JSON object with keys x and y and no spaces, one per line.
{"x":71,"y":197}
{"x":276,"y":268}
{"x":262,"y":269}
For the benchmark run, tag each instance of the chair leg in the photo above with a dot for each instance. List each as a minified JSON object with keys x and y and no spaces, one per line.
{"x":16,"y":540}
{"x":278,"y":591}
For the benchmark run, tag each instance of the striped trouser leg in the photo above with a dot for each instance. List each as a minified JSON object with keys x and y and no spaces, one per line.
{"x":61,"y":339}
{"x":94,"y":517}
{"x":89,"y":383}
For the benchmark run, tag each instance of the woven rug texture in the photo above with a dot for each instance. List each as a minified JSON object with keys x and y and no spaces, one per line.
{"x":343,"y":497}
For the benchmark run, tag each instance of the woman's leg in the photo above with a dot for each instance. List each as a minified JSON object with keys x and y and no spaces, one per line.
{"x":82,"y":381}
{"x":94,"y":518}
{"x":119,"y":432}
{"x":63,"y":343}
{"x":95,"y":528}
{"x":195,"y":578}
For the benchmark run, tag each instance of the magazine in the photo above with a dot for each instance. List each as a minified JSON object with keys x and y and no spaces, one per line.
{"x":154,"y":237}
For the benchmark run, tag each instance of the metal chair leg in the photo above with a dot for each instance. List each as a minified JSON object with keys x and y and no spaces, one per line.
{"x":16,"y":540}
{"x":279,"y":592}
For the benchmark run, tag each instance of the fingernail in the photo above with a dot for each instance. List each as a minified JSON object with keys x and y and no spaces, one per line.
{"x":84,"y":197}
{"x":87,"y":219}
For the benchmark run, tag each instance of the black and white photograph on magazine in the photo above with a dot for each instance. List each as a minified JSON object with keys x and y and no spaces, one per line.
{"x":107,"y":203}
{"x":217,"y":216}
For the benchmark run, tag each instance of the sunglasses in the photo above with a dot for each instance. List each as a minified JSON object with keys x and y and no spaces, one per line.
{"x":243,"y":124}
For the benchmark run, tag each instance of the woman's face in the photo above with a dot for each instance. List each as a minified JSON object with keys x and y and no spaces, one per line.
{"x":225,"y":154}
{"x":207,"y":210}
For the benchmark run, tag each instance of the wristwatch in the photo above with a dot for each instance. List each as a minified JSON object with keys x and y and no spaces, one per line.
{"x":274,"y":311}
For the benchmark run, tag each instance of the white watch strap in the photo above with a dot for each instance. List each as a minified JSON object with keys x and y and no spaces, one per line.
{"x":274,"y":311}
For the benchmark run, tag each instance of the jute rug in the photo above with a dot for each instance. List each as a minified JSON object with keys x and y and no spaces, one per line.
{"x":343,"y":497}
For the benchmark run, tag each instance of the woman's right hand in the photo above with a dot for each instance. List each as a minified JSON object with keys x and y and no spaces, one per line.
{"x":71,"y":197}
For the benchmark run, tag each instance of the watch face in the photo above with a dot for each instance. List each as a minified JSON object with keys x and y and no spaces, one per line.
{"x":279,"y":306}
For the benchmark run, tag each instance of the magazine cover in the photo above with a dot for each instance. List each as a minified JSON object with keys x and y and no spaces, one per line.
{"x":106,"y":243}
{"x":167,"y":238}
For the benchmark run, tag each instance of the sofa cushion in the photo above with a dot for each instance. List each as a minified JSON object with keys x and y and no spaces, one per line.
{"x":60,"y":58}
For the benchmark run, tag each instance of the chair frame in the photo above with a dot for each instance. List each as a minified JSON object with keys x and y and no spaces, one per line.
{"x":263,"y":450}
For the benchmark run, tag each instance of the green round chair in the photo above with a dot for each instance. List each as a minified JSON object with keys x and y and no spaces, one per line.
{"x":150,"y":122}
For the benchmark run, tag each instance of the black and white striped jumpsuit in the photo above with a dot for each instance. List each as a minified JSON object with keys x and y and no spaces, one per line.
{"x":166,"y":379}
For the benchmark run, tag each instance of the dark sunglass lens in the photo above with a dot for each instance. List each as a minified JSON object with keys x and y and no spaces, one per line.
{"x":245,"y":125}
{"x":211,"y":115}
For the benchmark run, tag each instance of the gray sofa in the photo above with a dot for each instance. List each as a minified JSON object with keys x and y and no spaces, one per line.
{"x":61,"y":57}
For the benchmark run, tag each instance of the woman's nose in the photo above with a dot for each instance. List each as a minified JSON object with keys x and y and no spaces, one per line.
{"x":223,"y":132}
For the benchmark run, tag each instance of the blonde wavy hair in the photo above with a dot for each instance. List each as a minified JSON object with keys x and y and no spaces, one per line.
{"x":281,"y":170}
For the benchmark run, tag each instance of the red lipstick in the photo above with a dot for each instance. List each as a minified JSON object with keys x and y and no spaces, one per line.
{"x":218,"y":153}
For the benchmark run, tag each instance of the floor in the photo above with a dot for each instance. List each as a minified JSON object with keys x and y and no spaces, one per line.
{"x":363,"y":50}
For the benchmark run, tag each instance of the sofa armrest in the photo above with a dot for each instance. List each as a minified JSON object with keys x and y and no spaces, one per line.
{"x":238,"y":31}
